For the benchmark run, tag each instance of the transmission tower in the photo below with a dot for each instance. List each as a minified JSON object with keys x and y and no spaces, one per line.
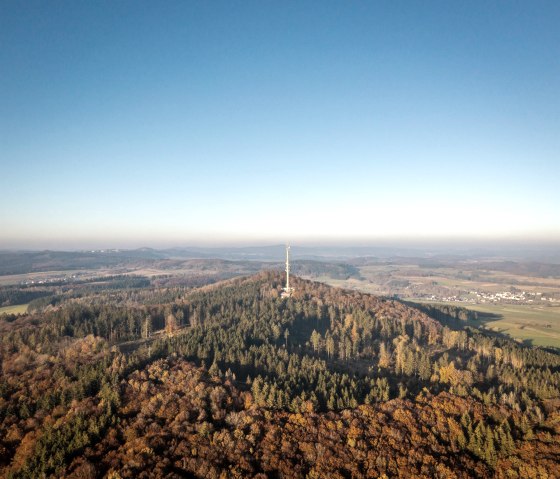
{"x":287,"y":290}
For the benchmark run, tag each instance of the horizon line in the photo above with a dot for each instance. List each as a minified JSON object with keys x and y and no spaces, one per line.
{"x":396,"y":242}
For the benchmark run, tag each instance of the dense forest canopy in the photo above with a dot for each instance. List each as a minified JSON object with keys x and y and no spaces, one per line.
{"x":151,"y":379}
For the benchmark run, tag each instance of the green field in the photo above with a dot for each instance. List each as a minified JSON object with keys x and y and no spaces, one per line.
{"x":16,"y":309}
{"x":539,"y":324}
{"x":535,"y":323}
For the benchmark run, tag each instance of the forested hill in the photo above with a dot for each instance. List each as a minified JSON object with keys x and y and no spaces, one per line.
{"x":231,"y":380}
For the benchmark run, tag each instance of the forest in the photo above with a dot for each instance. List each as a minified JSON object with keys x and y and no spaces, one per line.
{"x":148,"y":378}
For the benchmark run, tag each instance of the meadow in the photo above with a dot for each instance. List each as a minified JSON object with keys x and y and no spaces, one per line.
{"x":537,"y":324}
{"x":15,"y":309}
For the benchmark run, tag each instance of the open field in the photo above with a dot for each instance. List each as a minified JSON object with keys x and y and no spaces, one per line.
{"x":538,"y":324}
{"x":16,"y":309}
{"x":44,"y":277}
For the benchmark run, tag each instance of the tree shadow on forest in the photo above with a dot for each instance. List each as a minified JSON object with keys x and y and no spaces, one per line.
{"x":458,"y":317}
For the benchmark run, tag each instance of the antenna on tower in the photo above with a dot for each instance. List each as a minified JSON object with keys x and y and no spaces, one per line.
{"x":287,"y":290}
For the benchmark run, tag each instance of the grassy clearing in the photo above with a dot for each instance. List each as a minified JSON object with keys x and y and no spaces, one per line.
{"x":16,"y":309}
{"x":535,"y":323}
{"x":539,"y":324}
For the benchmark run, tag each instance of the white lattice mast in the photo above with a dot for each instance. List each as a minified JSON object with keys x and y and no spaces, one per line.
{"x":287,"y":268}
{"x":287,"y":290}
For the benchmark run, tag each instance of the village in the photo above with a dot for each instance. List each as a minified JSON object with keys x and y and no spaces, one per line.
{"x":503,"y":297}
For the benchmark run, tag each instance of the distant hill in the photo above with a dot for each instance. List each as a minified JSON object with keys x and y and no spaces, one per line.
{"x":523,"y":268}
{"x":191,"y":262}
{"x":29,"y":262}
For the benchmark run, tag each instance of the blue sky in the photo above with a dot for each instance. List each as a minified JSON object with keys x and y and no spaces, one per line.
{"x":175,"y":123}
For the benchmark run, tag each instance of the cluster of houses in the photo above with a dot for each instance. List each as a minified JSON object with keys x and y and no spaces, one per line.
{"x":50,"y":279}
{"x":474,"y":297}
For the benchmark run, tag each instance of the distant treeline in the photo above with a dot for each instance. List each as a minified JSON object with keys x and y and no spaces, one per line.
{"x":319,"y":268}
{"x":190,"y":281}
{"x":116,"y":282}
{"x":30,"y":262}
{"x":52,"y":293}
{"x":16,"y":295}
{"x":523,"y":268}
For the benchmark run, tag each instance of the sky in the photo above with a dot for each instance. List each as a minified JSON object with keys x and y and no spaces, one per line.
{"x":137,"y":123}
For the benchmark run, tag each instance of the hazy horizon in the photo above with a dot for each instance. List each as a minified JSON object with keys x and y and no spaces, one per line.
{"x":137,"y":124}
{"x":420,"y":244}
